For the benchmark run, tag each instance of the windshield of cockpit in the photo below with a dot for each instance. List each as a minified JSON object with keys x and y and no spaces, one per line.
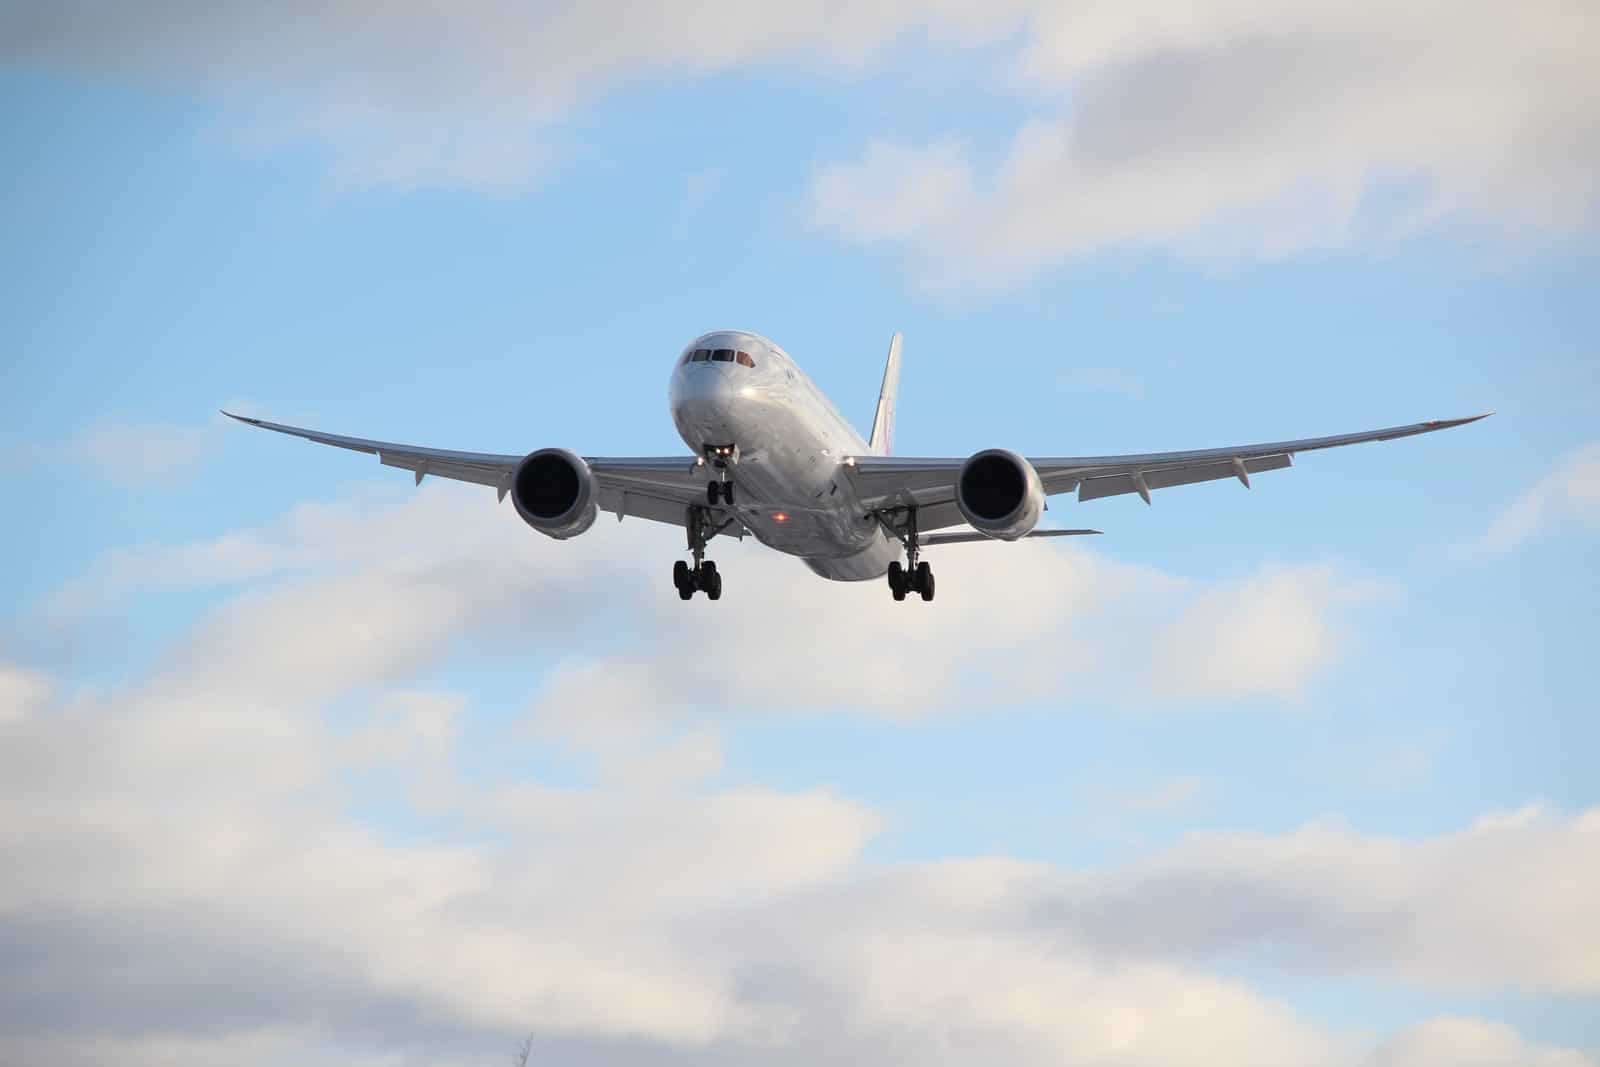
{"x":719,"y":355}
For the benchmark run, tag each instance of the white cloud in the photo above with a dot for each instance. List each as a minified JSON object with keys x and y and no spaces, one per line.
{"x":1252,"y":127}
{"x":409,"y":725}
{"x":1327,"y":899}
{"x":1568,"y":496}
{"x":1077,"y":623}
{"x":23,"y":693}
{"x":1247,"y":128}
{"x":186,"y":857}
{"x":1455,"y":1042}
{"x":895,"y":191}
{"x":647,"y":925}
{"x":413,"y":94}
{"x":140,"y":454}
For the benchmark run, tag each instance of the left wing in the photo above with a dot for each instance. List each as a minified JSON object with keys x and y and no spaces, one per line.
{"x":659,"y":488}
{"x":885,"y":482}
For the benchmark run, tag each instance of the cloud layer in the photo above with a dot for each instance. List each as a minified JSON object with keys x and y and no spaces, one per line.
{"x":1244,"y":128}
{"x":270,"y":845}
{"x":1231,"y":128}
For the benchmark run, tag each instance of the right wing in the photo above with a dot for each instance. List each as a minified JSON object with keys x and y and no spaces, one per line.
{"x":961,"y":538}
{"x":887,"y":482}
{"x":659,"y":488}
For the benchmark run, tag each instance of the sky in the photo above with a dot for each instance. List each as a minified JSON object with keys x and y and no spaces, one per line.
{"x":302,"y":764}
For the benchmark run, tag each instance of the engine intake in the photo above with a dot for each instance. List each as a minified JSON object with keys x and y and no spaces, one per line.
{"x":1000,"y":494}
{"x":554,"y":492}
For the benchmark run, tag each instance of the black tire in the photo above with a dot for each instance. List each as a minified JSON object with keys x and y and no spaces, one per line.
{"x":685,"y":592}
{"x":714,"y":586}
{"x":712,"y":492}
{"x":925,"y":581}
{"x":727,"y":493}
{"x":708,"y":571}
{"x":680,"y":577}
{"x":897,"y":577}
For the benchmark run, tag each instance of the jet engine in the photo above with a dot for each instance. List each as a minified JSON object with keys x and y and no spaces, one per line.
{"x":554,"y":492}
{"x":1000,"y":494}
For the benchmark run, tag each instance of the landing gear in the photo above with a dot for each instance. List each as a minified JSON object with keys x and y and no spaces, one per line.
{"x":915,"y":576}
{"x":703,"y":576}
{"x":721,"y":457}
{"x":897,"y":580}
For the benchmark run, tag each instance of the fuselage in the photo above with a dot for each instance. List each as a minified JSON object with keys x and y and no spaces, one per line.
{"x":789,"y":443}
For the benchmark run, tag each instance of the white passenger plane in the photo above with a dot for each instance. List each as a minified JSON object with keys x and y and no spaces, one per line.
{"x":771,"y":457}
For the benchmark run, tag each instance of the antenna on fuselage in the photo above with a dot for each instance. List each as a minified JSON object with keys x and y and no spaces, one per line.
{"x":882,"y":439}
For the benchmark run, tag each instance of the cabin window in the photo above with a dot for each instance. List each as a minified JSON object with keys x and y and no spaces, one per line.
{"x":723,"y":355}
{"x":702,"y":354}
{"x":744,"y":359}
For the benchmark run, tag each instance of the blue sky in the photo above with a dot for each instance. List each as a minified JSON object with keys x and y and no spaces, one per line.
{"x":305,"y":764}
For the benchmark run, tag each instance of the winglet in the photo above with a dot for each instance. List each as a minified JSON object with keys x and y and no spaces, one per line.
{"x":882,"y":440}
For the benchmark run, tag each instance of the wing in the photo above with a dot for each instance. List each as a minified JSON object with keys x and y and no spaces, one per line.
{"x":885,"y":482}
{"x":659,"y":488}
{"x":960,"y":538}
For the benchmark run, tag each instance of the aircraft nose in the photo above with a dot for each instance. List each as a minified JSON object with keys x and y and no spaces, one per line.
{"x":705,"y":384}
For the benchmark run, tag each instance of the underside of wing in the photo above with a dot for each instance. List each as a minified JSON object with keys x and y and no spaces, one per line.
{"x":658,"y":488}
{"x":957,"y":538}
{"x":886,"y":483}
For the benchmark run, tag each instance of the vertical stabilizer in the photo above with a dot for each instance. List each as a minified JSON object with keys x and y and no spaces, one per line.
{"x":883,"y":419}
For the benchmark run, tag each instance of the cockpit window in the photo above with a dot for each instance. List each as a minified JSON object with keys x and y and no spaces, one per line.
{"x":744,"y":359}
{"x":701,"y":355}
{"x":722,"y":355}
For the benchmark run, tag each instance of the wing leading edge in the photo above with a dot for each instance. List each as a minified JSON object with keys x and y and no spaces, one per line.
{"x":658,"y":488}
{"x":885,"y":481}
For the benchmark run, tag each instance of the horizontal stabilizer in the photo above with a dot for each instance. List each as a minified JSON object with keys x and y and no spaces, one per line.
{"x":962,"y":538}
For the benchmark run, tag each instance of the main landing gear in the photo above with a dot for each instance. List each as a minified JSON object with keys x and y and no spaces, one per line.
{"x":703,"y":576}
{"x":915,"y":576}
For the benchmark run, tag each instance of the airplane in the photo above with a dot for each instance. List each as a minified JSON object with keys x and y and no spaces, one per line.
{"x":770,"y":456}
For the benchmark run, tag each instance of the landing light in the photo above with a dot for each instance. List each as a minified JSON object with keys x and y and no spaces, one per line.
{"x":779,"y":516}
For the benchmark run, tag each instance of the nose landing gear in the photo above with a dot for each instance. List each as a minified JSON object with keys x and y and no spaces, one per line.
{"x":721,"y":457}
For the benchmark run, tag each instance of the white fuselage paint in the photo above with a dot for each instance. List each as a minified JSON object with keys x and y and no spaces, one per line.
{"x":792,"y":493}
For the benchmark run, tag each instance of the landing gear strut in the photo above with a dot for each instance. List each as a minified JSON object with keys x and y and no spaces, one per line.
{"x":915,"y":576}
{"x":703,"y":576}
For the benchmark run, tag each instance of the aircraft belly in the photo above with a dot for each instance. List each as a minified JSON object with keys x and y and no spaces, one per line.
{"x":867,"y":564}
{"x":794,"y":499}
{"x":790,"y":492}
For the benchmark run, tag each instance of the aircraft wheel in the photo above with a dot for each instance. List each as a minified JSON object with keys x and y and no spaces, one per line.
{"x":713,"y":582}
{"x":680,"y":575}
{"x":685,"y":592}
{"x":897,"y":580}
{"x":727,"y":493}
{"x":925,"y":581}
{"x":713,"y":490}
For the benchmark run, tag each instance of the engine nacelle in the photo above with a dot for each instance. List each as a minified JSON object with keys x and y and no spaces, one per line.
{"x":554,"y":492}
{"x":1000,"y":494}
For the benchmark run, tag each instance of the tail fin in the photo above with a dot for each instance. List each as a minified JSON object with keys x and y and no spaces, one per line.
{"x":883,"y":419}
